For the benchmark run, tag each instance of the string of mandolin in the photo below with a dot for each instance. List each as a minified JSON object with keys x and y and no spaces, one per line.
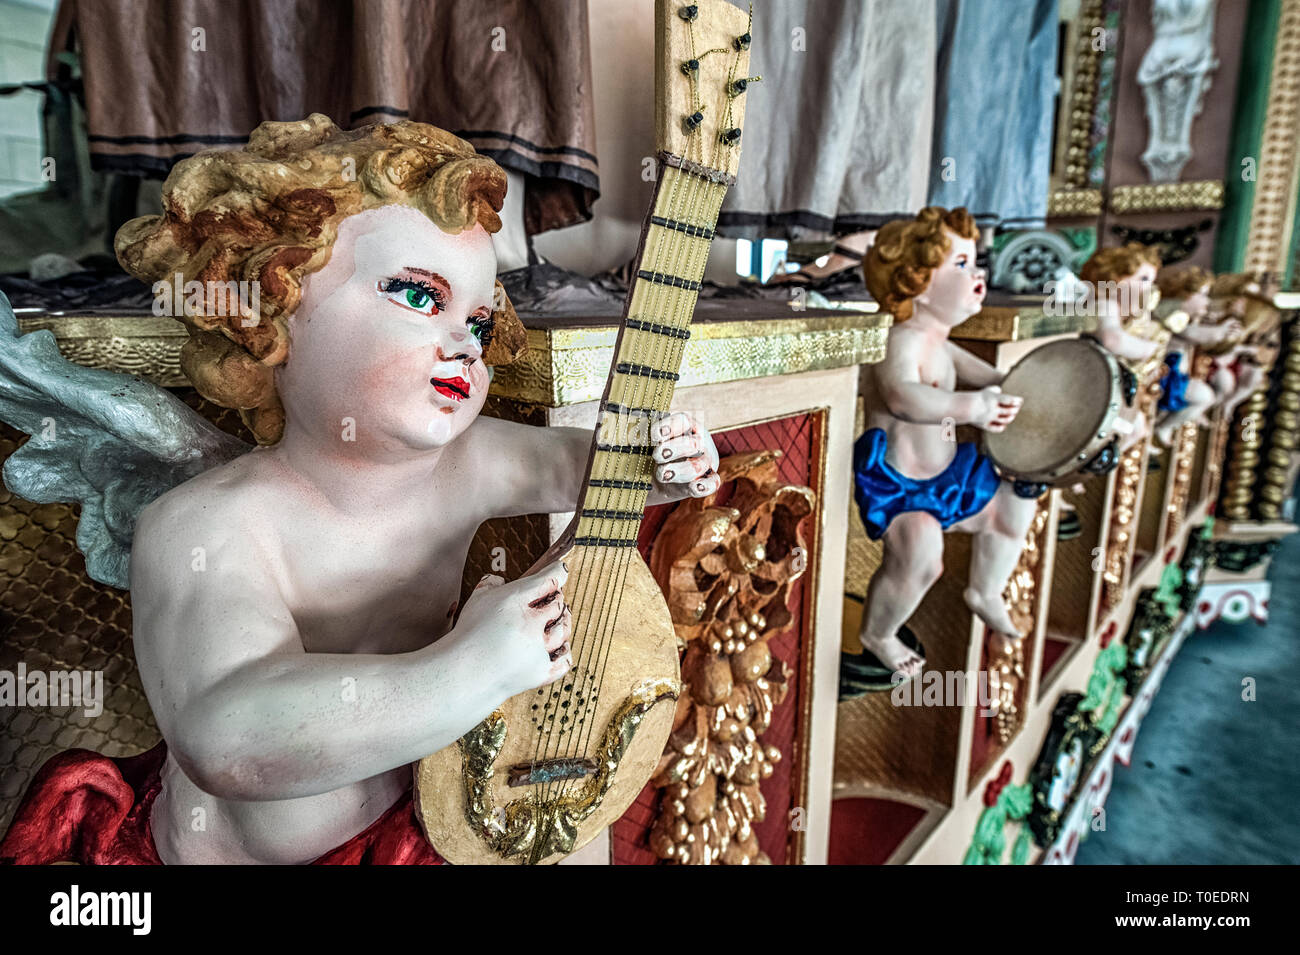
{"x":620,"y":478}
{"x":612,"y":507}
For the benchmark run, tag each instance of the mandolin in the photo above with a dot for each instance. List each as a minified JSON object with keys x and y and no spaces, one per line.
{"x":552,"y":767}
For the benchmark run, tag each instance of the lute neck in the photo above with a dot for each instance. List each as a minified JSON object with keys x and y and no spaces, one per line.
{"x":657,"y":314}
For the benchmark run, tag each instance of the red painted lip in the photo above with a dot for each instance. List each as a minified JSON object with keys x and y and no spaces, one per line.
{"x":979,"y":288}
{"x":455,"y":388}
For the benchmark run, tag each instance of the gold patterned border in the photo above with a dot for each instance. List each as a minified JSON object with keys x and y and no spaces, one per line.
{"x":1074,"y":203}
{"x":1086,"y":73}
{"x":143,"y":345}
{"x":1168,"y":197}
{"x":562,"y":366}
{"x":1182,"y":459}
{"x":567,"y":366}
{"x":1000,"y":323}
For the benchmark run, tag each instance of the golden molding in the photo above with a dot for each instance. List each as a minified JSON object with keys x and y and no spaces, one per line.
{"x":1168,"y":197}
{"x":562,"y":366}
{"x":1006,"y":657}
{"x":1001,"y":323}
{"x":1182,"y":459}
{"x":143,"y":345}
{"x":1073,"y":203}
{"x":1086,"y":70}
{"x":566,"y":366}
{"x":1272,"y":207}
{"x":1278,"y":472}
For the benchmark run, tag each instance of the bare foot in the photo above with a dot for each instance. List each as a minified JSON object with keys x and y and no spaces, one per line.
{"x":993,"y":611}
{"x":894,"y":653}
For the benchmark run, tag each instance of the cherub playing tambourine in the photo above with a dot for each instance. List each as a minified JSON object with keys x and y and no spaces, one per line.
{"x":288,"y":599}
{"x":912,"y":480}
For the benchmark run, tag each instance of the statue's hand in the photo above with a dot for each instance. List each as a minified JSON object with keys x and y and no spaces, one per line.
{"x":519,"y":631}
{"x":685,"y":458}
{"x":1230,"y":329}
{"x":992,"y":410}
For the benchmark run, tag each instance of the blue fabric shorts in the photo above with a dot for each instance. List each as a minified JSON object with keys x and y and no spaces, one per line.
{"x":1173,"y":384}
{"x":953,"y":495}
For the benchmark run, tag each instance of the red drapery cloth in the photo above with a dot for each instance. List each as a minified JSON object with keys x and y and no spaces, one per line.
{"x":94,"y":810}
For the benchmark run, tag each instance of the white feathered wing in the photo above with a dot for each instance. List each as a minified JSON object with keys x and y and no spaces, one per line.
{"x":110,"y":442}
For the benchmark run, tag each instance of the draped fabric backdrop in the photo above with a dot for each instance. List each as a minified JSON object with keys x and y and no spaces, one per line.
{"x":993,"y":109}
{"x":167,"y":78}
{"x":837,"y":136}
{"x":871,"y":109}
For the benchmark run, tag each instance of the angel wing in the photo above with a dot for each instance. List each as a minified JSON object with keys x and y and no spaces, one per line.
{"x":110,"y":442}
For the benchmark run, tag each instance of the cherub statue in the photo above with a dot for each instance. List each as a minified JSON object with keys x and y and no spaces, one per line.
{"x":913,"y":480}
{"x":295,"y":605}
{"x":1125,"y":297}
{"x":1241,"y":359}
{"x":1234,"y":375}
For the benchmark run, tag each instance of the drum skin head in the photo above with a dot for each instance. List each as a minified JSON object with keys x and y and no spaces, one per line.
{"x":1067,"y":387}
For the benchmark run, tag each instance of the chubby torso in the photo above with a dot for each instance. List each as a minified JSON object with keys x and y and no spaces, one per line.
{"x":917,"y":450}
{"x":383,"y":580}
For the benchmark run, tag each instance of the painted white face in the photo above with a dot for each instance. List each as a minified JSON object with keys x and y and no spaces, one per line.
{"x":957,"y":286}
{"x":1197,"y":305}
{"x":1138,"y":293}
{"x":390,"y":334}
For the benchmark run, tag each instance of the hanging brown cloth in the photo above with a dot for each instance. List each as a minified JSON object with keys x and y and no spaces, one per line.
{"x":167,"y":78}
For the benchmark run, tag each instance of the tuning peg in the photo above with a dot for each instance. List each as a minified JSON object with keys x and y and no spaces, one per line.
{"x":691,"y":66}
{"x":693,"y":121}
{"x":731,"y":136}
{"x":742,"y":42}
{"x":737,"y":87}
{"x":688,"y":13}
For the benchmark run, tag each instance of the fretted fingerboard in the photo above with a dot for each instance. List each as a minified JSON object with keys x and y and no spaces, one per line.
{"x":648,"y":353}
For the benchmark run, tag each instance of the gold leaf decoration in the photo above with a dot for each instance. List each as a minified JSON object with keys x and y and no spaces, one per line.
{"x":726,"y":570}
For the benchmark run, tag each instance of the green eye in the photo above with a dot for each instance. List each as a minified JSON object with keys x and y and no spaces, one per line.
{"x":476,"y":329}
{"x":416,"y":298}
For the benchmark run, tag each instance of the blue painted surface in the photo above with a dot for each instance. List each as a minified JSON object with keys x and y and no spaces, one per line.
{"x":1215,"y":779}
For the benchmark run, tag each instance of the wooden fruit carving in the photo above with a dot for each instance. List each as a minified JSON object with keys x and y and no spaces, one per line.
{"x":726,"y":569}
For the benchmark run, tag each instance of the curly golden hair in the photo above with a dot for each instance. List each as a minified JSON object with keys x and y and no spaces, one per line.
{"x":1183,"y":281}
{"x":269,"y":213}
{"x":1118,"y":262}
{"x":900,"y":263}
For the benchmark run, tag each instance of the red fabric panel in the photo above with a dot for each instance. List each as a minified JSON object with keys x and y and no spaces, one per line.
{"x":865,"y":831}
{"x":89,"y":809}
{"x":1052,"y":651}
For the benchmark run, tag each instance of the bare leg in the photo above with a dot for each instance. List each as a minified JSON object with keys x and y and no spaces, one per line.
{"x":999,"y":531}
{"x":1139,"y":421}
{"x":912,"y":562}
{"x":1200,"y":398}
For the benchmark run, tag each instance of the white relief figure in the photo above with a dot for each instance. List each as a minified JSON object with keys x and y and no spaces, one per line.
{"x":1175,"y":75}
